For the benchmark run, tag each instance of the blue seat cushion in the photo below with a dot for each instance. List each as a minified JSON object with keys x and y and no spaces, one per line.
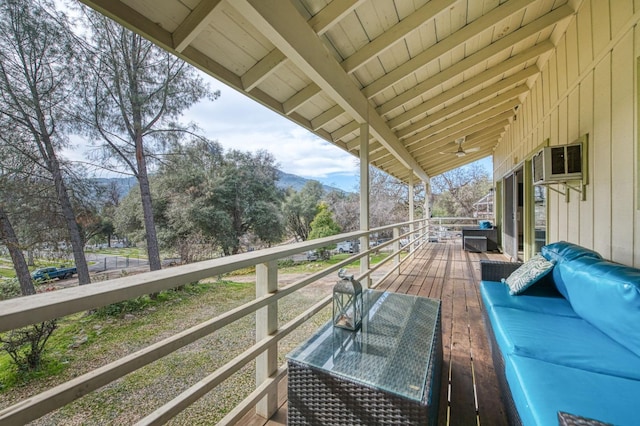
{"x":541,"y":389}
{"x":607,"y":295}
{"x":542,"y":297}
{"x":562,"y":340}
{"x":560,"y":252}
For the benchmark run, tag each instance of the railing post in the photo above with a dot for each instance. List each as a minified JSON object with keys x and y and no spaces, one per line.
{"x":412,"y":236}
{"x":396,"y":247}
{"x":365,"y":263}
{"x":266,"y":324}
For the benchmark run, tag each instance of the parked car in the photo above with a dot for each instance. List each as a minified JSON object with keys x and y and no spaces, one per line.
{"x":348,"y":247}
{"x":49,"y":273}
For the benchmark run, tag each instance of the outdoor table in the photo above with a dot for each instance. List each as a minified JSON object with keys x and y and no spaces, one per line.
{"x":388,"y":372}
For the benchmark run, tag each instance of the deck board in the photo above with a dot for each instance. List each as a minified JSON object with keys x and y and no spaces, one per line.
{"x":446,"y":272}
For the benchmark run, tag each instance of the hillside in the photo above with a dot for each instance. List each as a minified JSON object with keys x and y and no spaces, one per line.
{"x":286,"y":180}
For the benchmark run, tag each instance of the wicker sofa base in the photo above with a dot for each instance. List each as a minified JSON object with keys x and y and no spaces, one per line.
{"x":318,"y":398}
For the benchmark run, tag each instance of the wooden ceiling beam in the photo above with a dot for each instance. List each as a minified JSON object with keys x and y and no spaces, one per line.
{"x":455,"y":113}
{"x":343,"y":131}
{"x":480,"y":138}
{"x":432,"y":158}
{"x":327,"y":116}
{"x":281,"y":23}
{"x":321,"y":22}
{"x":193,"y":24}
{"x":445,"y":162}
{"x":300,"y":98}
{"x":404,"y":133}
{"x":333,"y":13}
{"x":491,"y":126}
{"x":462,"y":88}
{"x":446,"y":166}
{"x":451,"y":127}
{"x":469,"y":126}
{"x":262,"y":69}
{"x":136,"y":22}
{"x":387,"y":39}
{"x":439,"y":49}
{"x":507,"y":42}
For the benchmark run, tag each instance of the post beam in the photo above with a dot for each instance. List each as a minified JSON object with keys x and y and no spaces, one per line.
{"x":266,"y":325}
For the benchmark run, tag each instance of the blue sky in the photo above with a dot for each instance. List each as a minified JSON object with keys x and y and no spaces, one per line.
{"x":238,"y":122}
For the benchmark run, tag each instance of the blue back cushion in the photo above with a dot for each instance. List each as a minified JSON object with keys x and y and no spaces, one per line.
{"x":562,"y":251}
{"x":607,"y":295}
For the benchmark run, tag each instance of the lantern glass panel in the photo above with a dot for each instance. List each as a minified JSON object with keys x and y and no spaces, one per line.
{"x":347,"y":304}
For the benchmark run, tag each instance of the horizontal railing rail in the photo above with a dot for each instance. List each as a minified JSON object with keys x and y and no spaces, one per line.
{"x":24,"y":311}
{"x":446,"y":228}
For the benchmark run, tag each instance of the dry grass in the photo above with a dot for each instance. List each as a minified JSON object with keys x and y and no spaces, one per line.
{"x":137,"y":394}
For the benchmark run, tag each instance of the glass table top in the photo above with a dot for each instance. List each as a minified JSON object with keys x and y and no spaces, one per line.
{"x":391,"y":351}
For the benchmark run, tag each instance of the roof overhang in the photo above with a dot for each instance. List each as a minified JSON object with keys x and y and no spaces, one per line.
{"x":421,"y":74}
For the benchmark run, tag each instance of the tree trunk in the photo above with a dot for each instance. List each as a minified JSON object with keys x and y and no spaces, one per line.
{"x":67,"y":212}
{"x":147,"y":208}
{"x":10,"y":239}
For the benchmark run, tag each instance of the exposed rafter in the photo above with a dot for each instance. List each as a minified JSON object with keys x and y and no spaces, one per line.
{"x":507,"y":42}
{"x":465,"y":127}
{"x":472,"y":83}
{"x":281,"y":23}
{"x":197,"y":20}
{"x":434,"y":52}
{"x":431,"y":123}
{"x":332,"y":14}
{"x":420,"y":73}
{"x":396,"y":33}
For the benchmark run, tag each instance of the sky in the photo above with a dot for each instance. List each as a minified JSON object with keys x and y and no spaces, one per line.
{"x":238,"y":122}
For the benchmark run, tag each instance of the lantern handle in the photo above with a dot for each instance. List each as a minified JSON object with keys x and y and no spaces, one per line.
{"x":342,"y":273}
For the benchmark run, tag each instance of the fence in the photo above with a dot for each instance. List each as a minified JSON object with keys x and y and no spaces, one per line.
{"x":20,"y":312}
{"x":447,"y":228}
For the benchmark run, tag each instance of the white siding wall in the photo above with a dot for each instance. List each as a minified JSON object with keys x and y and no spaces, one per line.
{"x":588,"y":85}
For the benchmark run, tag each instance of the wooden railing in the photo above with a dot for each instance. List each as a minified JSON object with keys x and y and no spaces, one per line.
{"x":446,"y":228}
{"x":24,"y":311}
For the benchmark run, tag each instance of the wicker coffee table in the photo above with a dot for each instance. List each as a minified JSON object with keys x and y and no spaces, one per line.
{"x":386,"y":373}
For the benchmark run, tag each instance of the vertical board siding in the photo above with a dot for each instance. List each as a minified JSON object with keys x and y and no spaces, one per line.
{"x":601,"y":170}
{"x":586,"y":120}
{"x":575,"y":200}
{"x":588,"y":85}
{"x":585,"y":37}
{"x":600,"y":25}
{"x":622,"y":158}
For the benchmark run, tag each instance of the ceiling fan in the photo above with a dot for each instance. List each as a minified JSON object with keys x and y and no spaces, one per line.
{"x":460,"y":152}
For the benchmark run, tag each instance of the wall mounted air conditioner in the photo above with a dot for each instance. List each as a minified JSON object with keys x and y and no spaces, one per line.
{"x":560,"y":163}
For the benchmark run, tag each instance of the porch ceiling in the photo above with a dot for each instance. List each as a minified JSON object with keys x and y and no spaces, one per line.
{"x":421,"y":73}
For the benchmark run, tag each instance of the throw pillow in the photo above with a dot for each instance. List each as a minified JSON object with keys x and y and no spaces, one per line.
{"x":528,"y":274}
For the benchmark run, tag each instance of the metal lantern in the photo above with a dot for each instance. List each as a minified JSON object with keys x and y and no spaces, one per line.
{"x":347,"y":302}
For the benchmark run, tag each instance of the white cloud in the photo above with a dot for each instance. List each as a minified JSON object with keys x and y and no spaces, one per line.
{"x":238,"y":122}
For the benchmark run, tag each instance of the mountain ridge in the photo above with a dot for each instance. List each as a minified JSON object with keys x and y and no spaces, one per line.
{"x":285,"y":181}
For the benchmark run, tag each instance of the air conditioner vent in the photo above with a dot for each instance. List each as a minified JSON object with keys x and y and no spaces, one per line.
{"x":559,"y":163}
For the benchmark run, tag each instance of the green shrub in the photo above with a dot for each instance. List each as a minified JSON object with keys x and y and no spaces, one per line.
{"x":26,"y":345}
{"x":9,"y":288}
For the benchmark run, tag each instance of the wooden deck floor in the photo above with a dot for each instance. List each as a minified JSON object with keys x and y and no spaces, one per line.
{"x":469,"y":393}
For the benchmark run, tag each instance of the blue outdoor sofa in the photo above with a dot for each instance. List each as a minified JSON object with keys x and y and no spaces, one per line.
{"x":569,"y":343}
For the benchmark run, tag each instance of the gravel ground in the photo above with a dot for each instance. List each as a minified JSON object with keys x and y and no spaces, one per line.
{"x":138,"y":394}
